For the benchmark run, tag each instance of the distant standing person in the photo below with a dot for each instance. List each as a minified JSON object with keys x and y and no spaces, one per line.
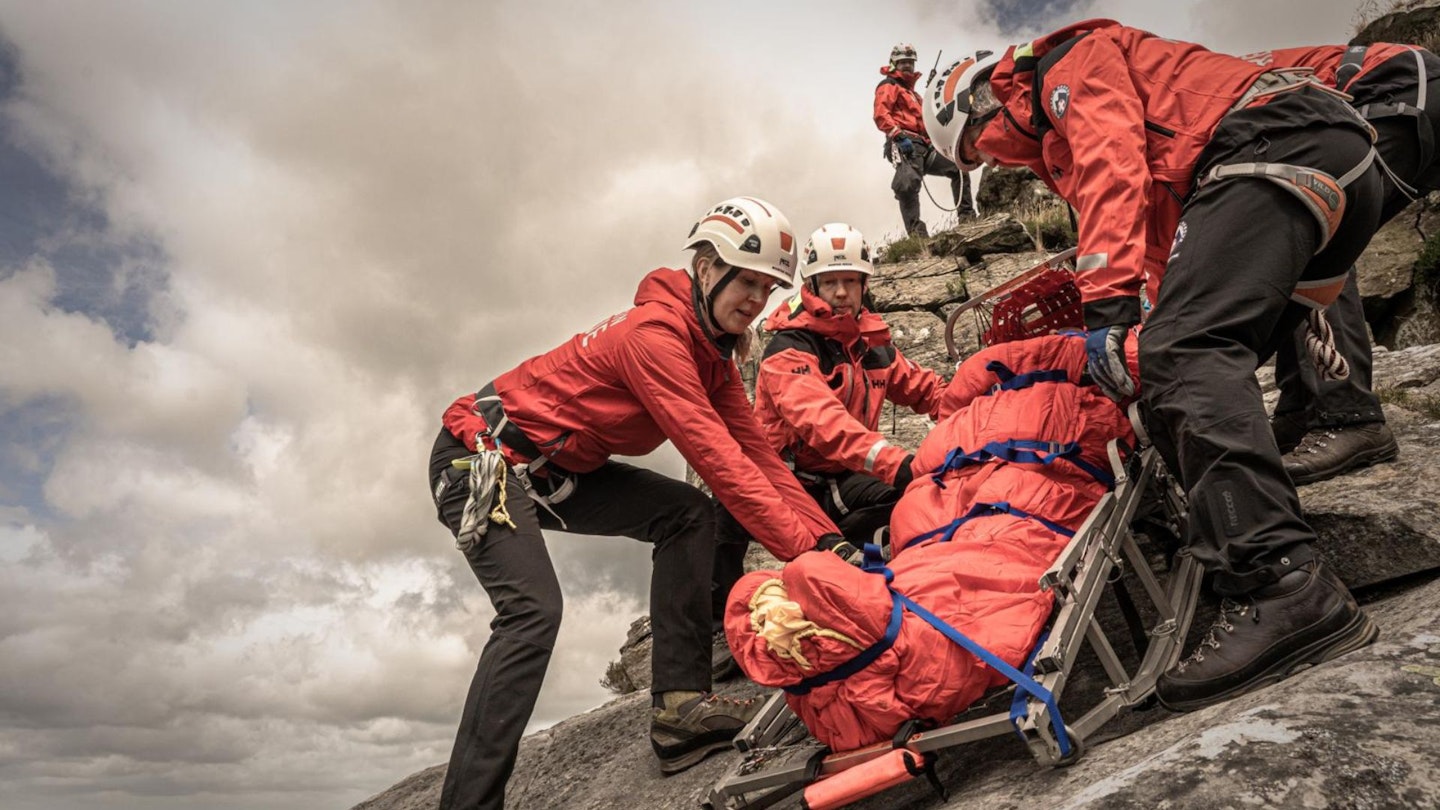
{"x":534,"y":451}
{"x":898,"y":115}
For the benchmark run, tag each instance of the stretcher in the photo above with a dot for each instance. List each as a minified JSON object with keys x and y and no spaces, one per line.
{"x":1128,"y":546}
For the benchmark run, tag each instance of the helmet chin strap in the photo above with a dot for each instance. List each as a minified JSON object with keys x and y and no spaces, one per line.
{"x":705,"y":311}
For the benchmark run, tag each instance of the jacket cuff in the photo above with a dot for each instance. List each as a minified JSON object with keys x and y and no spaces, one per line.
{"x":1122,"y":310}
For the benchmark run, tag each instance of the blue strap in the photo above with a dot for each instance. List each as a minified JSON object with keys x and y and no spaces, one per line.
{"x":1010,"y":381}
{"x":1024,"y":683}
{"x":947,"y":532}
{"x":1025,"y":451}
{"x":866,"y":656}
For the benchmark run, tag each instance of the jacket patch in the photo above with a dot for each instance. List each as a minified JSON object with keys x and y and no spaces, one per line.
{"x":1060,"y":100}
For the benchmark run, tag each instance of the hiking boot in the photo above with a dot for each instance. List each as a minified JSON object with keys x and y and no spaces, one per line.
{"x":723,"y":666}
{"x":693,"y":725}
{"x":1329,"y":451}
{"x":1306,"y":618}
{"x":1289,"y":428}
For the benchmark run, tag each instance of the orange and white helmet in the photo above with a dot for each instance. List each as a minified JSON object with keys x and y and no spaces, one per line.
{"x":751,"y":234}
{"x":835,"y":248}
{"x":960,"y":96}
{"x":902,"y":51}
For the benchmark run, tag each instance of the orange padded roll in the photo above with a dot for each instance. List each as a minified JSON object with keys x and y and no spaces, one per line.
{"x":863,"y":780}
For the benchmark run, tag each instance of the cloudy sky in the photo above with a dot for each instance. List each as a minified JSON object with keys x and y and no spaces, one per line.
{"x":249,"y":252}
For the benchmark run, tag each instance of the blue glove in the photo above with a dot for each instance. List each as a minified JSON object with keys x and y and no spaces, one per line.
{"x":1105,"y":350}
{"x":906,"y":147}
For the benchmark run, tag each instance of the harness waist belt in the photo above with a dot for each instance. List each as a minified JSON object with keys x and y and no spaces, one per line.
{"x":499,"y":427}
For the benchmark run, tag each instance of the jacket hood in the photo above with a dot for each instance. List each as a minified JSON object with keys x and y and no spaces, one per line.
{"x":676,"y":291}
{"x":908,"y":79}
{"x":808,"y":311}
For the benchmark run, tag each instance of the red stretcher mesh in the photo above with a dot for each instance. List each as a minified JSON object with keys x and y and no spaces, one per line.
{"x":1044,"y":305}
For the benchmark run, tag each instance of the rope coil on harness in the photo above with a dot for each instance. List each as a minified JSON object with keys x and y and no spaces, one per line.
{"x":1320,"y":344}
{"x":486,"y":480}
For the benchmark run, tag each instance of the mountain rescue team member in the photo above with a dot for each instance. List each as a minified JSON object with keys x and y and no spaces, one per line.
{"x":1251,"y":191}
{"x":897,"y":114}
{"x":824,"y":380}
{"x":661,"y":370}
{"x":1327,"y":427}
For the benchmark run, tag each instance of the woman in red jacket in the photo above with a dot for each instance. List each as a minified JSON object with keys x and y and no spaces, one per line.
{"x":534,"y":450}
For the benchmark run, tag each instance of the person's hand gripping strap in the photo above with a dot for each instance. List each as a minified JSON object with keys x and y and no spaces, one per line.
{"x":1105,"y":353}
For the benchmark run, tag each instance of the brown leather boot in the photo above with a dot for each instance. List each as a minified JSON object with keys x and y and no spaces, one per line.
{"x":1329,"y":451}
{"x":690,"y":726}
{"x":1307,"y":617}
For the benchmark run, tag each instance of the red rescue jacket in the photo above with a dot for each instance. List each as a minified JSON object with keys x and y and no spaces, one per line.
{"x":643,"y":376}
{"x":897,"y":105}
{"x":1122,"y":123}
{"x":821,"y":386}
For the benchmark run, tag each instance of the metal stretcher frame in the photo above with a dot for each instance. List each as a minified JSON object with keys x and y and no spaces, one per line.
{"x":1102,"y":549}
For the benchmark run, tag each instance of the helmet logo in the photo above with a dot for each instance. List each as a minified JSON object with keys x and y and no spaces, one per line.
{"x":1060,"y":100}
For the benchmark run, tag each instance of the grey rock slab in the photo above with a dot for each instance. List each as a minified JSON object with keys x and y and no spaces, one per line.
{"x":1413,"y":367}
{"x":1386,"y":268}
{"x":997,"y":233}
{"x":1381,"y":522}
{"x":920,"y":336}
{"x":918,"y":284}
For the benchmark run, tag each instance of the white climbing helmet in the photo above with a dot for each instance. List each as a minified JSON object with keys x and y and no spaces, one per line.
{"x":957,"y":98}
{"x":751,"y":234}
{"x":902,"y":51}
{"x":835,"y":248}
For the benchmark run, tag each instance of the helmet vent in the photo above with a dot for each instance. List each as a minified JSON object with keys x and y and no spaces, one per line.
{"x":751,"y":245}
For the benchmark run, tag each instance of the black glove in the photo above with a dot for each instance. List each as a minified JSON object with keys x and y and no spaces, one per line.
{"x":905,"y":474}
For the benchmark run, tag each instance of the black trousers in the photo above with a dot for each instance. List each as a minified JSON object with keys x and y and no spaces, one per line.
{"x":910,"y":173}
{"x":859,"y":504}
{"x":1335,"y":403}
{"x":514,"y":568}
{"x":1224,"y":306}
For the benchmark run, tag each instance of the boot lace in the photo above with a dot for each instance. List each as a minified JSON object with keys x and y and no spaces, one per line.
{"x":1317,"y":439}
{"x":1231,"y":610}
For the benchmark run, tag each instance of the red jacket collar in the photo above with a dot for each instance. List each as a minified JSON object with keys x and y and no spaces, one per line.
{"x":674,"y":290}
{"x":808,"y":311}
{"x":907,"y":79}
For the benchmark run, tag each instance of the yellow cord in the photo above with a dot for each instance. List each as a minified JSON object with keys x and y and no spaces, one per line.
{"x":500,"y":514}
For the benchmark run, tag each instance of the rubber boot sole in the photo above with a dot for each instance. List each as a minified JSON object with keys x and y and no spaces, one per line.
{"x":1375,"y":455}
{"x":1360,"y":632}
{"x":680,"y":756}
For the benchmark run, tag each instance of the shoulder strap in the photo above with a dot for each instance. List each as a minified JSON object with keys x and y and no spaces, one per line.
{"x":1349,"y":65}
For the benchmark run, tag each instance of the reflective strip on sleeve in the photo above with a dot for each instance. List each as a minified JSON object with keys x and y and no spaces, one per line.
{"x":873,"y":454}
{"x":1092,"y":261}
